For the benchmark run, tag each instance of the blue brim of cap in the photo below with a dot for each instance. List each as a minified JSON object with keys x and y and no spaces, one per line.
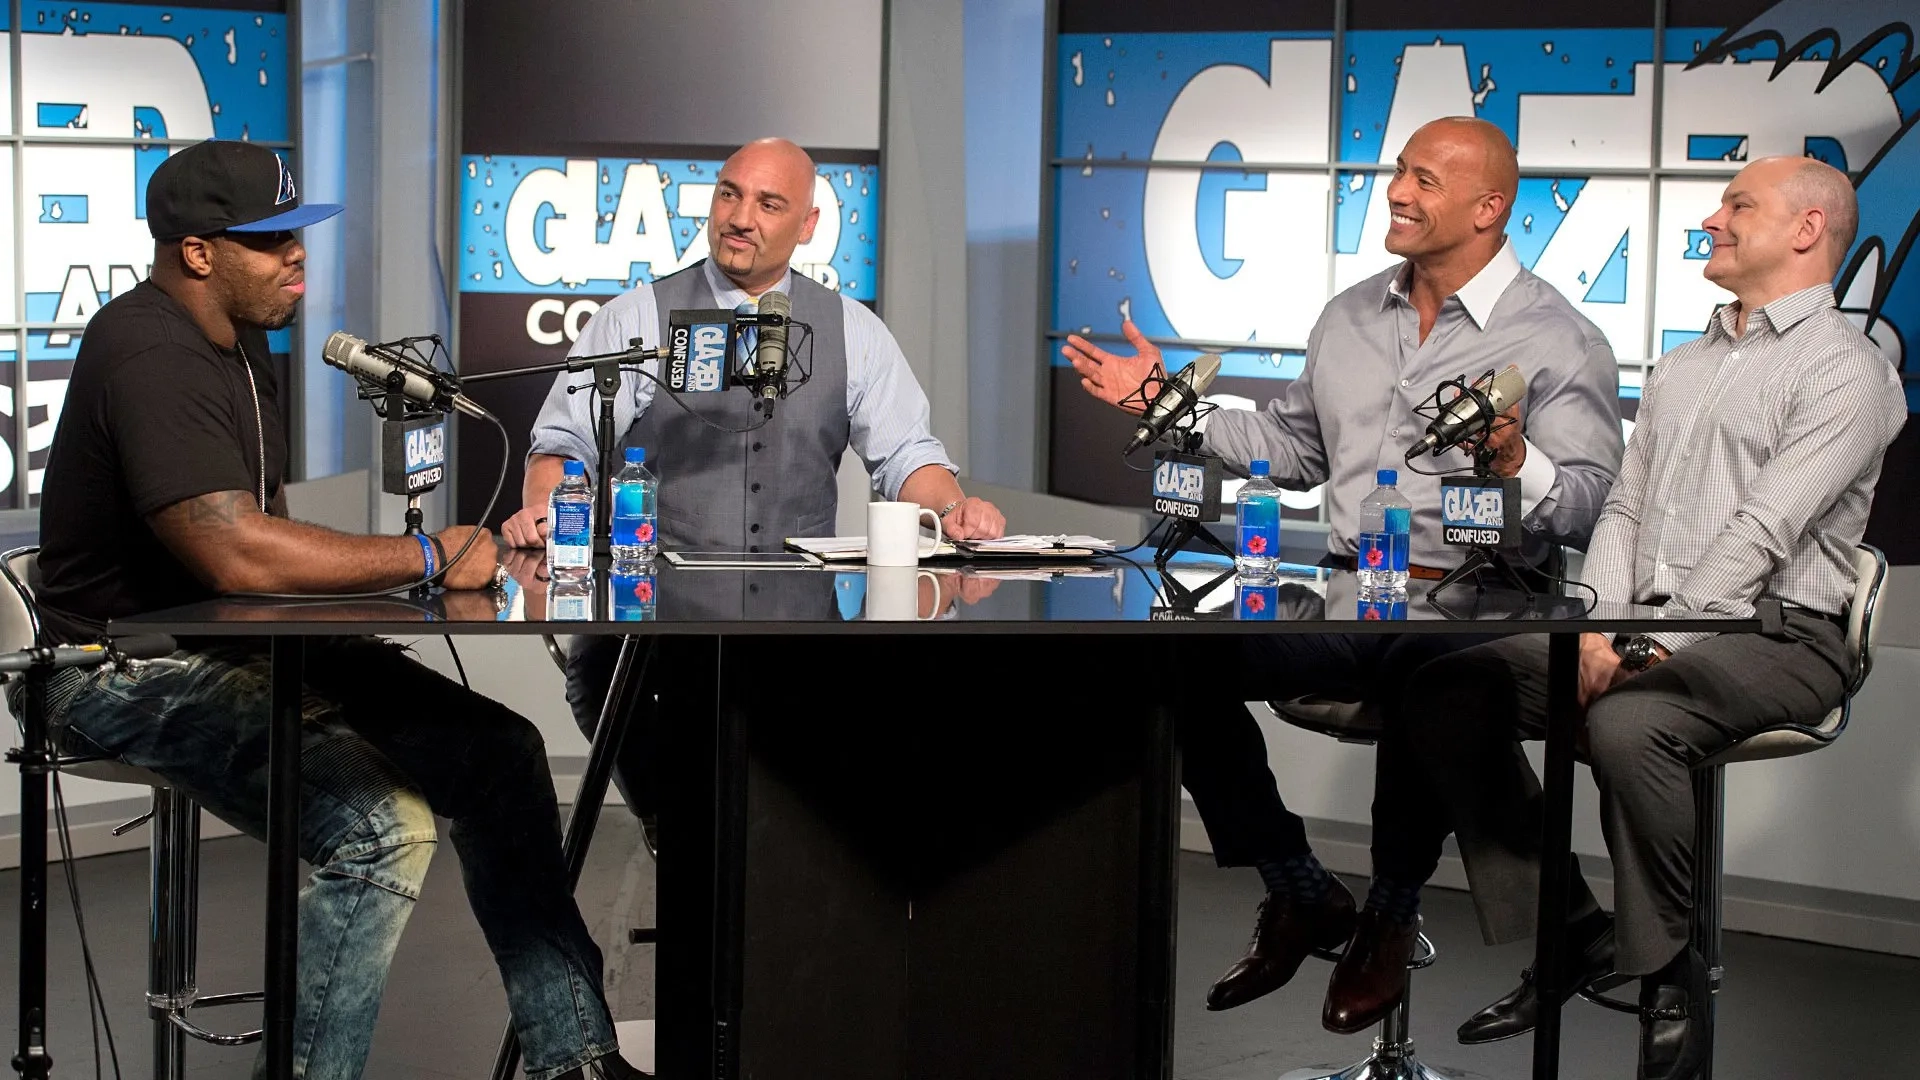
{"x":297,"y":218}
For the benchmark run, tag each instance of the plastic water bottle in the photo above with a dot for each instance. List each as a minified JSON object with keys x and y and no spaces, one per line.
{"x":1386,"y":534}
{"x":636,"y":537}
{"x":570,"y":526}
{"x":1257,"y":511}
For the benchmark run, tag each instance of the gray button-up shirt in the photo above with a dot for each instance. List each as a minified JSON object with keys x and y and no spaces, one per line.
{"x":1752,"y":466}
{"x":1350,"y":412}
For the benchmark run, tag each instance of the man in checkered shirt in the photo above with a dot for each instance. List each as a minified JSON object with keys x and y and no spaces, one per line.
{"x":1748,"y":478}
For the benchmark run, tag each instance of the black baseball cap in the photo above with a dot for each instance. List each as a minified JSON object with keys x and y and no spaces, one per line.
{"x":223,"y":185}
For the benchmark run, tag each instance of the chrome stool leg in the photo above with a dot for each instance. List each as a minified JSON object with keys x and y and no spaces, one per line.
{"x":1393,"y":1057}
{"x":1709,"y":807}
{"x":173,"y":917}
{"x":173,"y":932}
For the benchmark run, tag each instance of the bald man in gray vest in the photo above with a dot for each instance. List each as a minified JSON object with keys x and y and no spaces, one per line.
{"x":746,"y":492}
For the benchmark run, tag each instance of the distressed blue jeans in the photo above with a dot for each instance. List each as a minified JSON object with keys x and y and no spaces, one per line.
{"x":386,"y":745}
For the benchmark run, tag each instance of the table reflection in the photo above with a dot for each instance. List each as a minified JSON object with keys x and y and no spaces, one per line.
{"x":1192,"y":588}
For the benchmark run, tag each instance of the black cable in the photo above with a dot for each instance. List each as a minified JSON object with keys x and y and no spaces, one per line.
{"x":457,"y":665}
{"x":1412,"y":468}
{"x":95,"y":997}
{"x":499,"y":481}
{"x":594,"y":387}
{"x":1143,"y":541}
{"x":1151,"y":583}
{"x":1591,"y":604}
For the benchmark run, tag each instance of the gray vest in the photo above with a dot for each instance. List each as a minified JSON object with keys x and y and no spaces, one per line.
{"x":721,"y":492}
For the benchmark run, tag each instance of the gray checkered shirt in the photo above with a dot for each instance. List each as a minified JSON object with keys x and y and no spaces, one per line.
{"x":1752,"y":465}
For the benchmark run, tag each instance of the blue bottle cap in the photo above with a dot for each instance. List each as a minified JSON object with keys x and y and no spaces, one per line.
{"x":1258,"y":467}
{"x":1387,"y":477}
{"x":636,"y":455}
{"x":575,"y":468}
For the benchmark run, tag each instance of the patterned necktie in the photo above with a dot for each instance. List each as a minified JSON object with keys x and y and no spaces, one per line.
{"x":749,"y":343}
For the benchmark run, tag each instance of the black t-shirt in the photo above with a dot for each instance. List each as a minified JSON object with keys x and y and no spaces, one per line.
{"x":155,"y":414}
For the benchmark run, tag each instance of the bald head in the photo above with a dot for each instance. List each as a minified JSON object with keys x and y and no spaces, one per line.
{"x":1784,"y":224}
{"x":762,"y":210}
{"x":1452,"y":191}
{"x":1482,"y":145}
{"x":1816,"y":185}
{"x":776,"y":157}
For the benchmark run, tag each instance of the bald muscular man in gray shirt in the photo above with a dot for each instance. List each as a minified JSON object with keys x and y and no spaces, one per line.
{"x":1459,"y":305}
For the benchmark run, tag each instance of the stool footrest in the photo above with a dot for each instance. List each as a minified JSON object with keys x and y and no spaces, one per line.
{"x":1424,"y":954}
{"x":178,"y":1018}
{"x":1596,"y":997}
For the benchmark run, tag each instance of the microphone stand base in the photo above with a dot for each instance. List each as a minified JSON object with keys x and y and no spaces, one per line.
{"x":1479,"y":559}
{"x":1184,"y":532}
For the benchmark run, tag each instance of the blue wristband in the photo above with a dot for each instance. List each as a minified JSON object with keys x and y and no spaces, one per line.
{"x":426,"y":550}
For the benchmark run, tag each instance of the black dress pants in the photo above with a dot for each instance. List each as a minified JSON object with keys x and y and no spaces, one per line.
{"x":1224,"y":754}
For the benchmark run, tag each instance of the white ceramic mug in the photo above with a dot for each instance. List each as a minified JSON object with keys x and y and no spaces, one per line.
{"x":893,"y":593}
{"x":893,"y":534}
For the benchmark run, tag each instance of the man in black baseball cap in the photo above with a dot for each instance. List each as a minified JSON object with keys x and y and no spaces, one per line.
{"x":221,"y":186}
{"x":164,"y":487}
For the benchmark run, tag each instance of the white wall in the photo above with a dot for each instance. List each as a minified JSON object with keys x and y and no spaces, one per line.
{"x":923,"y":247}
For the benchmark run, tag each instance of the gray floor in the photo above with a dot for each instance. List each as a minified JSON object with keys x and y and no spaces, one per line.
{"x":1789,"y":1010}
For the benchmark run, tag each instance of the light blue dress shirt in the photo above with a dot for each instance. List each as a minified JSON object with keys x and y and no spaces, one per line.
{"x":887,"y":412}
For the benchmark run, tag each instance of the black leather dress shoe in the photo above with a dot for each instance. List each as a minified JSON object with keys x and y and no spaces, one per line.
{"x":611,"y":1067}
{"x":1589,"y":964}
{"x":1370,"y":980}
{"x":1284,"y":935}
{"x":1673,"y":1022}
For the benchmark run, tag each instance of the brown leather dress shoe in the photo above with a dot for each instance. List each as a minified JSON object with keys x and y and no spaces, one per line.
{"x":1284,"y":935}
{"x":1371,"y":979}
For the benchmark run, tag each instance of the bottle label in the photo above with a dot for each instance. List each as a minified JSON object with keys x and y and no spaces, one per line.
{"x":1256,"y":602}
{"x":633,"y":516}
{"x":1259,"y":528}
{"x":1383,"y":551}
{"x":570,"y":535}
{"x":634,"y":531}
{"x":572,"y":522}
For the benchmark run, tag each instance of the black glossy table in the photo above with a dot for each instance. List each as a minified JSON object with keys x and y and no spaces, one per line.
{"x":915,"y":823}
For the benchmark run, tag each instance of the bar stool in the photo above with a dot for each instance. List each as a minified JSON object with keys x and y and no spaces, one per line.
{"x":1359,"y":722}
{"x":1709,"y":782}
{"x":173,"y":901}
{"x":649,"y":824}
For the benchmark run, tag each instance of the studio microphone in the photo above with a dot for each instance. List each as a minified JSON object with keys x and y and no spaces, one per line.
{"x":374,"y":364}
{"x":776,"y":308}
{"x":1176,"y":398}
{"x":1470,"y":414}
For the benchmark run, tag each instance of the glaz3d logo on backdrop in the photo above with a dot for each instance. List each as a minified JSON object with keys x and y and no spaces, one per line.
{"x":1232,"y":256}
{"x":546,"y":225}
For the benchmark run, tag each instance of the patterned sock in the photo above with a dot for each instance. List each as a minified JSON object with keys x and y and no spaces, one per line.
{"x":1298,"y":877}
{"x":1398,"y":902}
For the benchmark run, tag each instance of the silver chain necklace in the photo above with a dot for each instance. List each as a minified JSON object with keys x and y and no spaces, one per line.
{"x":259,"y":430}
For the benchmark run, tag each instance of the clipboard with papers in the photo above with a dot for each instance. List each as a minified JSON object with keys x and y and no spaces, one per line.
{"x":1020,"y":548}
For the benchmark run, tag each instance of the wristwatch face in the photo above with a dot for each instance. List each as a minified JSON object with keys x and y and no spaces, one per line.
{"x":1637,"y":654}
